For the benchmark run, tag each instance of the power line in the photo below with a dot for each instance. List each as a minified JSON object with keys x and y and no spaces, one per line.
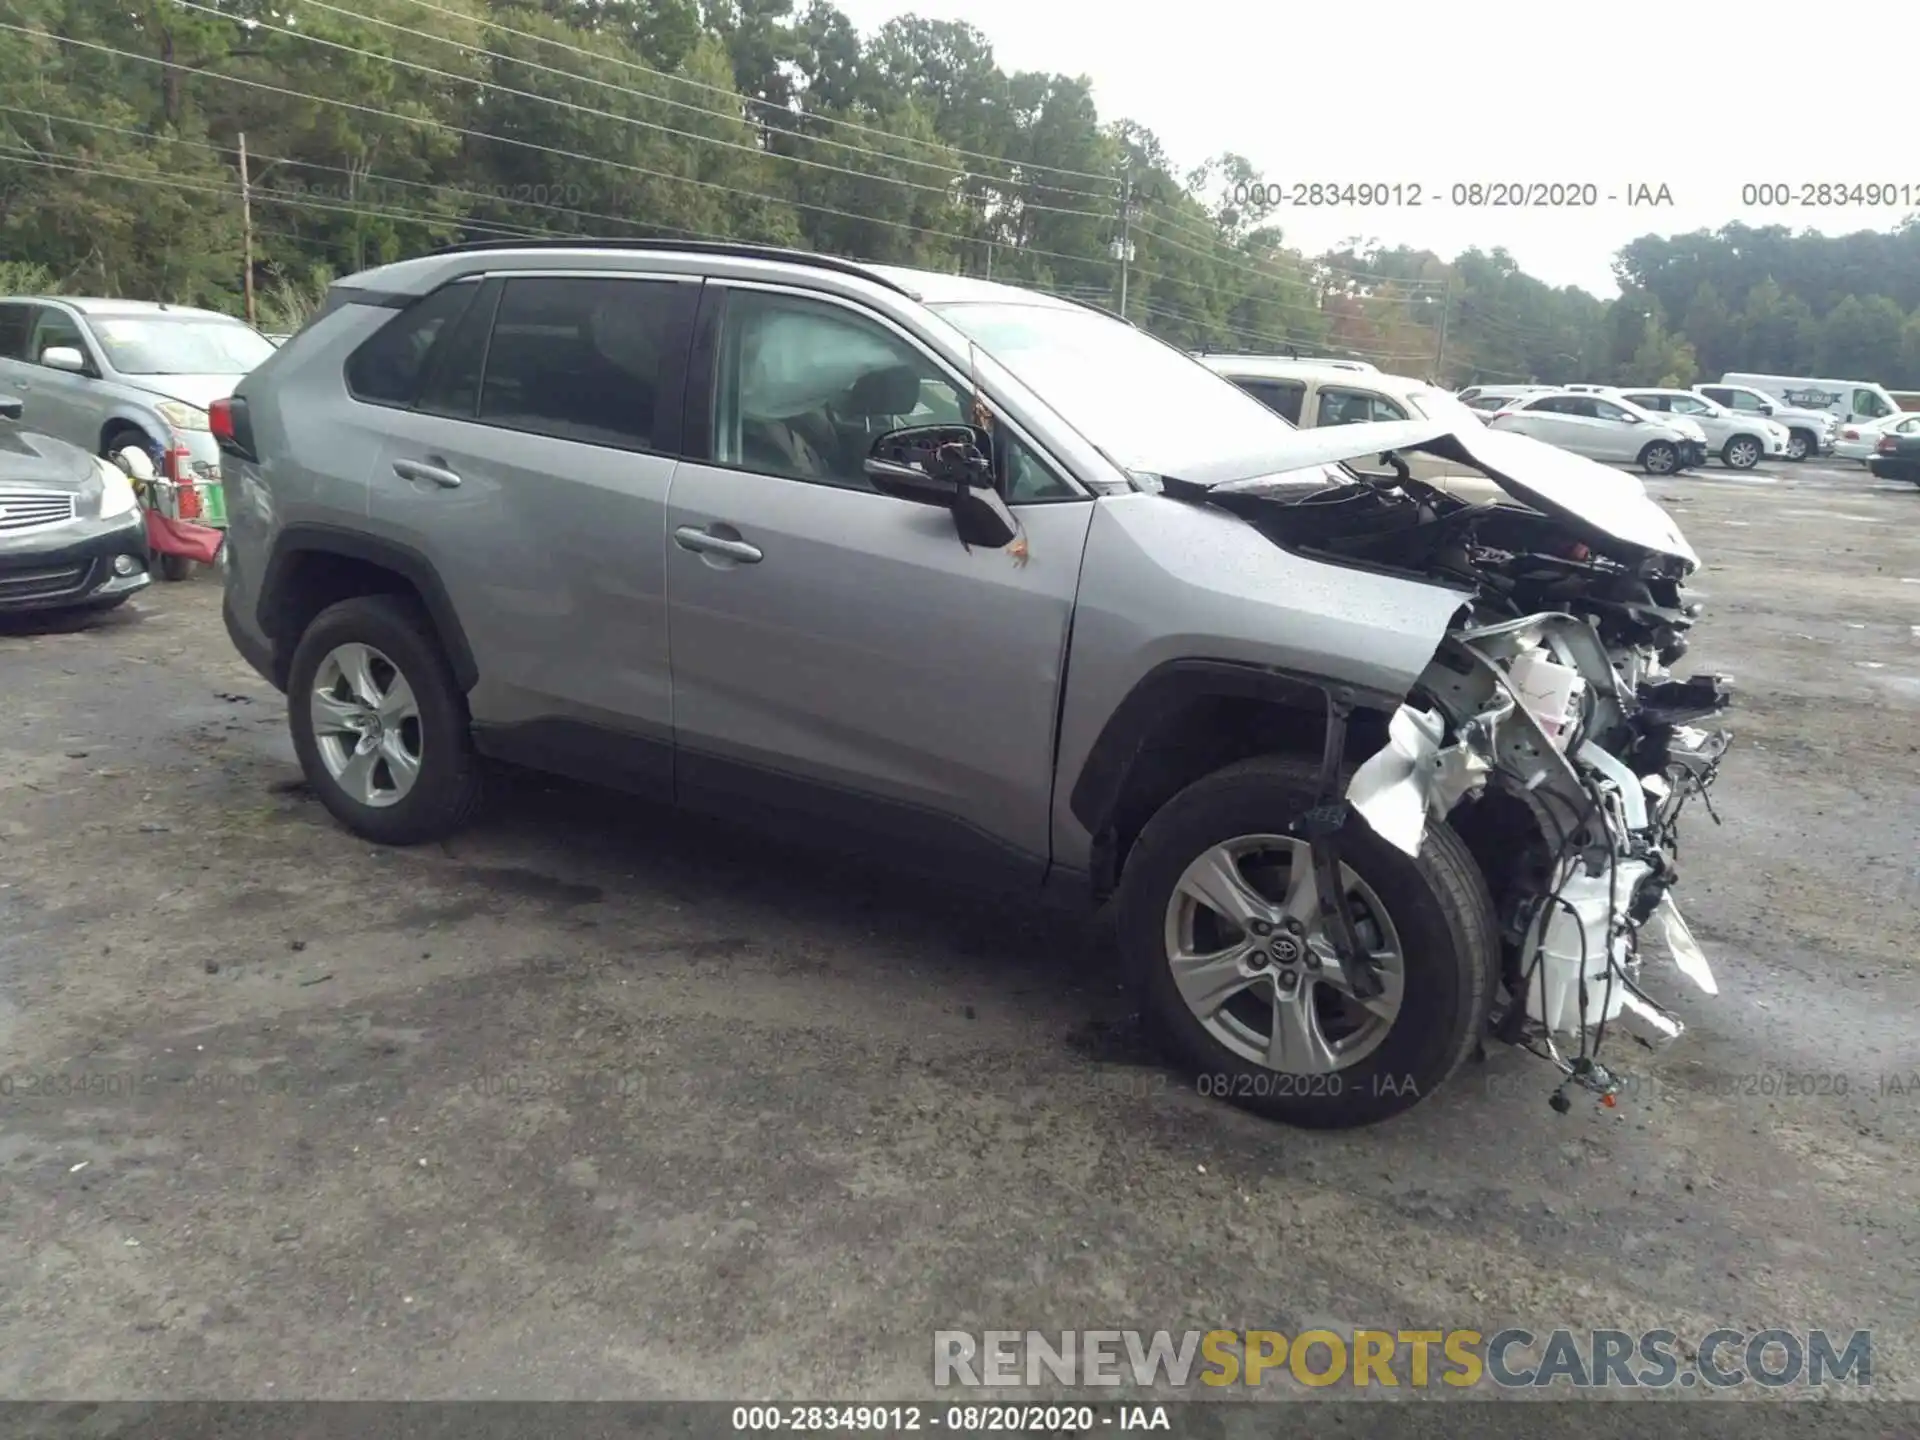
{"x":368,"y":176}
{"x":85,"y":165}
{"x":945,"y":192}
{"x":945,"y":167}
{"x":1109,"y":182}
{"x":622,"y":165}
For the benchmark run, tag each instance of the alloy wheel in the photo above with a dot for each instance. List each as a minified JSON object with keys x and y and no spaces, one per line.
{"x":366,"y":725}
{"x":1251,"y":956}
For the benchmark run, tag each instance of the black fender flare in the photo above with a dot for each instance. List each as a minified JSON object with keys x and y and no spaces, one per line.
{"x":307,"y":538}
{"x":1175,"y":684}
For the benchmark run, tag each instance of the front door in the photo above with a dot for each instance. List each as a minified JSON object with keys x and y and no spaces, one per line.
{"x":840,"y":659}
{"x":62,"y":404}
{"x":537,"y":490}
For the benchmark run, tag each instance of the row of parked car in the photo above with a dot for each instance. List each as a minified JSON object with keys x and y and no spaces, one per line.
{"x":1662,"y":430}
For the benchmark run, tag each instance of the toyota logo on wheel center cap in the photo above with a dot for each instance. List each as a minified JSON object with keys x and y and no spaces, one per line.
{"x":1285,"y":949}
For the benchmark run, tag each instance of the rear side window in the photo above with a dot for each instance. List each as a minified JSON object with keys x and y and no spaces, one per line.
{"x":587,"y":359}
{"x":16,"y":323}
{"x":388,"y":367}
{"x":1283,"y":397}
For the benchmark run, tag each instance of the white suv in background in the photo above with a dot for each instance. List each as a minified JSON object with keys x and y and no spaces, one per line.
{"x":1740,"y":440}
{"x":1602,"y":427}
{"x":1316,"y":393}
{"x":1810,"y":433}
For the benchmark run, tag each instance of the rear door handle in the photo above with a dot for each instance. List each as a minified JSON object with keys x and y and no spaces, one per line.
{"x":691,"y":537}
{"x":420,"y":470}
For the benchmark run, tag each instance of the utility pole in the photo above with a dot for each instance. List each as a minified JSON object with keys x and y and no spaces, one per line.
{"x":1123,"y":247}
{"x":246,"y":227}
{"x":1446,"y":308}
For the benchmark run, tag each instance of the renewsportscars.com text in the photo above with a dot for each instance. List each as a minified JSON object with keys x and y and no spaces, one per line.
{"x":1416,"y":1359}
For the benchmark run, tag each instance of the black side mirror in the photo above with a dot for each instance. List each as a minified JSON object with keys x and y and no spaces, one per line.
{"x":946,"y":465}
{"x":10,"y":408}
{"x":1766,"y":409}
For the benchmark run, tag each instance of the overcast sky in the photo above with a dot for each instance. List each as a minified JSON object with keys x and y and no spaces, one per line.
{"x":1701,"y":97}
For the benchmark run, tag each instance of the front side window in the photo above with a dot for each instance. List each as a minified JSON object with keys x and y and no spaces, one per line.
{"x":56,"y":328}
{"x":588,"y":359}
{"x":1603,"y":411}
{"x":1742,"y":400}
{"x":806,"y":387}
{"x":1355,"y":407}
{"x":1870,"y":406}
{"x":1659,"y":404}
{"x":1687,"y":405}
{"x":179,"y":344}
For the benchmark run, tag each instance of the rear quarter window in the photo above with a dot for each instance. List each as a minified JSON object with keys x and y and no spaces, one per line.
{"x":388,"y":367}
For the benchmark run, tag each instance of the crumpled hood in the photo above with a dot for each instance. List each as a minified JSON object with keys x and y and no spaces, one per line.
{"x":196,"y":390}
{"x":29,"y":458}
{"x":1607,"y":503}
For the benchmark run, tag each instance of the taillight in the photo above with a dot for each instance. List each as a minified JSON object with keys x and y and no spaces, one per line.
{"x":1499,"y":415}
{"x":1887,"y":445}
{"x":232,"y":429}
{"x":1849,"y":434}
{"x":177,"y":466}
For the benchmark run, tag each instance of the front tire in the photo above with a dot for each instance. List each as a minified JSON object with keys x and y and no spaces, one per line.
{"x":1264,"y":1017}
{"x":1799,"y":444}
{"x":174,"y":567}
{"x":1742,"y":453}
{"x":379,"y":723}
{"x":1660,"y":458}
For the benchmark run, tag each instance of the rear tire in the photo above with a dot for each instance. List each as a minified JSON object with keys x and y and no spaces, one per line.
{"x":1438,"y":917}
{"x":1660,"y":458}
{"x":1742,"y":452}
{"x":433,"y":742}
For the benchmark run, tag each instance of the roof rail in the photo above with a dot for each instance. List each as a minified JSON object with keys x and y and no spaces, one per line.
{"x":695,"y":247}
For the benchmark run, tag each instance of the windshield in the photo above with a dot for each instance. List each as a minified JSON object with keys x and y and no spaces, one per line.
{"x":180,"y":345}
{"x":1148,"y":406}
{"x":1439,"y":405}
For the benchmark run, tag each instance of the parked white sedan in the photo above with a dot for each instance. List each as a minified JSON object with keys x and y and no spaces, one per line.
{"x":1602,"y":427}
{"x":1857,"y":438}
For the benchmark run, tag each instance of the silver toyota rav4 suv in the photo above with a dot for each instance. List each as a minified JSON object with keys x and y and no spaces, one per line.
{"x":1006,"y":587}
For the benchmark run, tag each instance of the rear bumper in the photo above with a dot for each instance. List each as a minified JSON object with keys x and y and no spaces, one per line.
{"x":254,"y":647}
{"x":1888,"y":468}
{"x":74,"y":564}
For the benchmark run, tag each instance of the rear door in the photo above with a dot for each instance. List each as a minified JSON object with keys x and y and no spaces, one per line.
{"x":840,"y":658}
{"x":16,"y":330}
{"x":1544,"y":419}
{"x":530,"y":464}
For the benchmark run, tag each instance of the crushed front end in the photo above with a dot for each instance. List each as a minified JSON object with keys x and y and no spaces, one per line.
{"x":1549,"y":729}
{"x":1564,"y":753}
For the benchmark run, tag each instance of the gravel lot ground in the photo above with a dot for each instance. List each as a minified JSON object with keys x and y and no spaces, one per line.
{"x":594,"y":1102}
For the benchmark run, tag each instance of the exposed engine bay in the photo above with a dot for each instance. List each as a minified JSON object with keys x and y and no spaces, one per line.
{"x":1548,"y":729}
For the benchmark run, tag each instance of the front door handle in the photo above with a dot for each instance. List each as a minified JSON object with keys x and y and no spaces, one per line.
{"x":691,"y":537}
{"x":420,"y":470}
